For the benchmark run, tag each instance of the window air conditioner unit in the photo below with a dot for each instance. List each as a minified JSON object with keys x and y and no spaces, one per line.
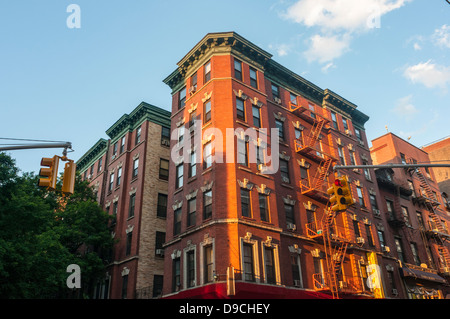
{"x":165,"y":142}
{"x":376,"y":212}
{"x":160,"y":252}
{"x":394,"y":292}
{"x":291,"y":226}
{"x":348,"y":132}
{"x":297,"y":283}
{"x":386,"y":249}
{"x":360,"y":240}
{"x":343,"y":284}
{"x":278,"y":100}
{"x":192,"y":90}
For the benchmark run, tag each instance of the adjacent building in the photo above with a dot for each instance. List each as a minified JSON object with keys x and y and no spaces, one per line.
{"x":236,"y":229}
{"x":439,"y":153}
{"x":129,"y":172}
{"x":413,"y":227}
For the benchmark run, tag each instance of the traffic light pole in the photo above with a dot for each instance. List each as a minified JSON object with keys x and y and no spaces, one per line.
{"x":65,"y":145}
{"x":338,"y":167}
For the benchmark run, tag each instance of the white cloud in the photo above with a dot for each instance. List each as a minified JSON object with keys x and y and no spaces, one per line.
{"x":328,"y":66}
{"x":343,"y":15}
{"x":417,"y":46}
{"x":338,"y":21}
{"x":281,"y":49}
{"x":326,"y":48}
{"x":441,"y":36}
{"x":405,"y":108}
{"x":429,"y":74}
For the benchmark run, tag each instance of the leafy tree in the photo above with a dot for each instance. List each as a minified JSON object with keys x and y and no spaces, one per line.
{"x":41,"y":233}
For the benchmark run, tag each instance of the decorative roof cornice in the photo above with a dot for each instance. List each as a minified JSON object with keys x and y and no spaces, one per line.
{"x":94,"y":152}
{"x":144,"y":111}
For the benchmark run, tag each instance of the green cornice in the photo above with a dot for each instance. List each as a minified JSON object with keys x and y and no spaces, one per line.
{"x":143,"y":112}
{"x":91,"y":156}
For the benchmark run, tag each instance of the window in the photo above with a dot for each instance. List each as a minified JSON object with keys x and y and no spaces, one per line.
{"x":179,"y":178}
{"x":369,"y":235}
{"x":207,"y":155}
{"x":176,"y":275}
{"x":128,"y":243}
{"x":92,"y":169}
{"x":360,"y":196}
{"x":132,"y":205}
{"x":165,"y":136}
{"x":192,"y":207}
{"x":192,"y":118}
{"x":238,"y":69}
{"x":135,"y":167}
{"x":100,"y":164}
{"x":253,"y":78}
{"x":403,"y":158}
{"x":275,"y":91}
{"x":190,"y":269}
{"x":406,"y":216}
{"x":208,"y":264}
{"x":119,"y":176}
{"x":341,"y":154}
{"x":304,"y":176}
{"x":207,"y":111}
{"x":115,"y":148}
{"x":411,"y":187}
{"x":312,"y":111}
{"x":111,"y":182}
{"x":296,"y":271}
{"x":298,"y":134}
{"x":194,"y":81}
{"x":352,"y":158}
{"x":269,"y":264}
{"x":280,"y":126}
{"x":177,"y":221}
{"x":356,"y":228}
{"x":415,"y":254}
{"x":160,"y":238}
{"x":157,"y":285}
{"x":358,"y":134}
{"x":293,"y":98}
{"x":207,"y":204}
{"x":115,"y":208}
{"x":390,"y":209}
{"x":420,"y":220}
{"x":256,"y":116}
{"x":124,"y":286}
{"x":242,"y":149}
{"x":289,"y":212}
{"x":207,"y":71}
{"x":381,"y":239}
{"x":399,"y":247}
{"x":240,"y":109}
{"x":373,"y":201}
{"x":344,"y":121}
{"x":284,"y":169}
{"x":263,"y":207}
{"x":193,"y":165}
{"x":366,"y":171}
{"x":182,"y":98}
{"x":164,"y":169}
{"x":138,"y":135}
{"x":246,"y":208}
{"x":334,"y":120}
{"x":248,"y":262}
{"x":122,"y":144}
{"x":161,"y":210}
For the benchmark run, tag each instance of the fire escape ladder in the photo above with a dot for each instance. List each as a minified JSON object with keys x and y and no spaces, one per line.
{"x":321,"y":173}
{"x":315,"y":132}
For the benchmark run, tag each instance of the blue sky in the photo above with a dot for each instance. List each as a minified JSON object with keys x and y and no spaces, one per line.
{"x":389,"y":57}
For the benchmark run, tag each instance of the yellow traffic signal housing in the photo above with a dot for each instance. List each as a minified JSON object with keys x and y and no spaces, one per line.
{"x":343,"y":193}
{"x":334,"y":197}
{"x":50,"y":172}
{"x":69,"y":178}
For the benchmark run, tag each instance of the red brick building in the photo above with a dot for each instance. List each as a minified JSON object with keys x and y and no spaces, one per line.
{"x":414,"y":221}
{"x":129,"y":172}
{"x":236,"y":231}
{"x":439,"y":152}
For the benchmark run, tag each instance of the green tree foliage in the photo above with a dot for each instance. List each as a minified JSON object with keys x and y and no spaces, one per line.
{"x":41,"y":234}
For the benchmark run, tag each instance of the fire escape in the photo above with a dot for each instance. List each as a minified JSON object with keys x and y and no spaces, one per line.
{"x":427,"y":198}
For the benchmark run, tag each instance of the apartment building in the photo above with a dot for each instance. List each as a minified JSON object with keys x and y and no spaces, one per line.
{"x":235,"y":227}
{"x":129,"y":172}
{"x":413,"y":223}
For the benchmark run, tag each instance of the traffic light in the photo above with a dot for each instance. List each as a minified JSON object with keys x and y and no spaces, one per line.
{"x":50,"y":171}
{"x":333,"y":199}
{"x":69,"y":177}
{"x":343,"y":193}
